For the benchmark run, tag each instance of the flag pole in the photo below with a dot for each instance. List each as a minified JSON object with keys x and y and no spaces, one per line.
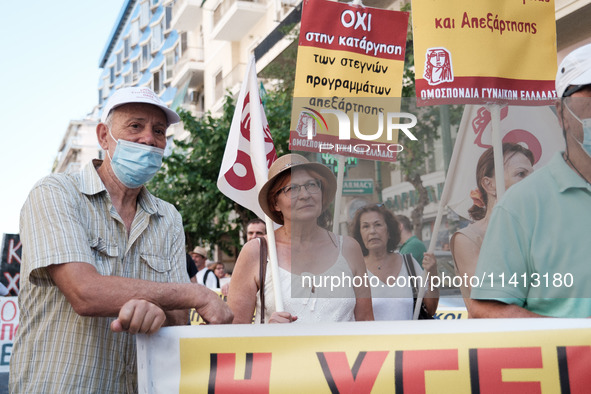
{"x":442,"y":204}
{"x":273,"y":262}
{"x":495,"y":114}
{"x":260,"y":165}
{"x":339,"y":193}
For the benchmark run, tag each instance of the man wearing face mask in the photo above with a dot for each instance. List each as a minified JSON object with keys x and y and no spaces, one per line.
{"x":536,"y":252}
{"x":103,"y":259}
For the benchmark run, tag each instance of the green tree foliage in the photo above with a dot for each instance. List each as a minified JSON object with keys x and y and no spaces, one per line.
{"x":188,"y":178}
{"x":412,"y":159}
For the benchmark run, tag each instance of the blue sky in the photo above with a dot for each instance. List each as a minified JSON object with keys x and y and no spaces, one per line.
{"x":50,"y":75}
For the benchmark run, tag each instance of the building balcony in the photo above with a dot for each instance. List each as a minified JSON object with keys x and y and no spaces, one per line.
{"x":186,"y":15}
{"x":232,"y":19}
{"x":566,"y":7}
{"x":189,"y":67}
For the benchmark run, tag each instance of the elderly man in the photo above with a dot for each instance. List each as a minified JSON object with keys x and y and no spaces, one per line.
{"x":535,"y":255}
{"x":103,"y":259}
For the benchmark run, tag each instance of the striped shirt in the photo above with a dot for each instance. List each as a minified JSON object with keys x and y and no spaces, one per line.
{"x":70,"y":218}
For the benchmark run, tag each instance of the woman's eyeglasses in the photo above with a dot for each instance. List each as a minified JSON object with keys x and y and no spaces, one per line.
{"x":293,"y":191}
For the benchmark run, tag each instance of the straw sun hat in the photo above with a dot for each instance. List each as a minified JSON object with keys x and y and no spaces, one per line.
{"x":286,"y":163}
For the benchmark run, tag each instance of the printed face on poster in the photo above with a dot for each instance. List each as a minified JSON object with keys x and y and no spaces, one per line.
{"x":348,"y":78}
{"x":484,"y":51}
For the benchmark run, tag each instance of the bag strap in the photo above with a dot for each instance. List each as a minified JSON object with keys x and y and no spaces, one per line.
{"x":262,"y":273}
{"x":217,"y":280}
{"x":412,"y":273}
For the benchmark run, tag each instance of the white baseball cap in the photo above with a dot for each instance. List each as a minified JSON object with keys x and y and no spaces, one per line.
{"x":574,"y":70}
{"x":138,"y":95}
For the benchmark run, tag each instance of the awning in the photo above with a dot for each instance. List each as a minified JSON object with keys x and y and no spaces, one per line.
{"x":145,"y":79}
{"x":119,"y":47}
{"x":157,"y":16}
{"x":146,"y":36}
{"x":180,"y":96}
{"x":168,"y":95}
{"x":136,"y":12}
{"x":119,"y":82}
{"x":126,"y":69}
{"x":171,"y":41}
{"x":127,"y":30}
{"x":135,"y":54}
{"x":157,"y":62}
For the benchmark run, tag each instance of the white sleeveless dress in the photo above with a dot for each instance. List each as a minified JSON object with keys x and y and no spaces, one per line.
{"x":310,"y":297}
{"x":393,"y":302}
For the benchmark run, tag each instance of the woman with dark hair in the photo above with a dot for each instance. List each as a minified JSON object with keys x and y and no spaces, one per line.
{"x":465,"y":244}
{"x":297,"y":196}
{"x":377,"y":231}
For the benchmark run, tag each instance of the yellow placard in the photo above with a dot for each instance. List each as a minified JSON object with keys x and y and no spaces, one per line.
{"x":484,"y":50}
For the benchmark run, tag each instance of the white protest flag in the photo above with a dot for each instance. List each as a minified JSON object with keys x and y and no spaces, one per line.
{"x":249,"y":150}
{"x":535,"y":127}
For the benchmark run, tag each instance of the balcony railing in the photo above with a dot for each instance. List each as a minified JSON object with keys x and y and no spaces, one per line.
{"x":186,"y":15}
{"x":233,"y":18}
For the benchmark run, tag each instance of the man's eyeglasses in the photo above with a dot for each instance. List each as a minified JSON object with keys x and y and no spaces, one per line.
{"x":293,"y":191}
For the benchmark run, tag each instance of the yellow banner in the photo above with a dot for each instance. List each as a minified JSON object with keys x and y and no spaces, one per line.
{"x":482,"y":50}
{"x":497,"y":356}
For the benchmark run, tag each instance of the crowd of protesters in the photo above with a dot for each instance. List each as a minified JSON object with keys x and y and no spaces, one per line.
{"x":103,"y":259}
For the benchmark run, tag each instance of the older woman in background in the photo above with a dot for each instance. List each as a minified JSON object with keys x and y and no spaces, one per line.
{"x":378,"y":233}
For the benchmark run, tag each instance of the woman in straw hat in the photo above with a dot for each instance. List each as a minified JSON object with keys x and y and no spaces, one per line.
{"x":319,"y":272}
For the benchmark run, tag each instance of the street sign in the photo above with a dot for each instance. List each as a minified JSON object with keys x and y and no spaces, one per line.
{"x":358,"y":186}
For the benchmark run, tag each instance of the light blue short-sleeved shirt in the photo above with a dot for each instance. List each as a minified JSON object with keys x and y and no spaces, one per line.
{"x":537,"y":251}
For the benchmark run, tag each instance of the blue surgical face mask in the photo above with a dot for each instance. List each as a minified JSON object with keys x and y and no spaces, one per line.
{"x":135,"y":164}
{"x":586,"y":144}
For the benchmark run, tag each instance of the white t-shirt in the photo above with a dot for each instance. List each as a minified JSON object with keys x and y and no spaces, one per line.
{"x":211,"y":278}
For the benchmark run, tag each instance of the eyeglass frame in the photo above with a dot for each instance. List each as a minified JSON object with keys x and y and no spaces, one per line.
{"x":295,"y":186}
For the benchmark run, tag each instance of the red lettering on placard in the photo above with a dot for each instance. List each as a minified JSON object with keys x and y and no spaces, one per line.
{"x":13,"y":252}
{"x":573,"y":366}
{"x":12,"y":281}
{"x":7,"y":328}
{"x":9,"y":311}
{"x":359,"y":379}
{"x":257,"y":374}
{"x":491,"y":363}
{"x":411,"y":366}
